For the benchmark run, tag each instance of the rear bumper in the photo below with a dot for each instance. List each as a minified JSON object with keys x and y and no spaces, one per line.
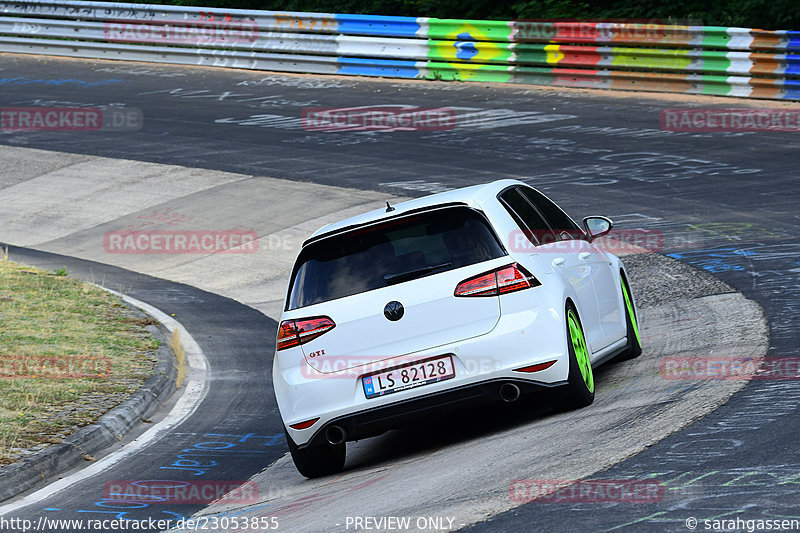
{"x":529,"y":332}
{"x":374,"y":421}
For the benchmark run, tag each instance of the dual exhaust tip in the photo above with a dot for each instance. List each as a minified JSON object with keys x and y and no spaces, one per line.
{"x":336,"y":435}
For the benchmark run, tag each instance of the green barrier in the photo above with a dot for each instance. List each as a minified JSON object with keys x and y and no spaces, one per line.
{"x":652,"y":59}
{"x":469,"y":51}
{"x":467,"y":30}
{"x":466,"y":72}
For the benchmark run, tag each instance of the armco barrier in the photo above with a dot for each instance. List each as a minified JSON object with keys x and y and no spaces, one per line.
{"x":740,"y":62}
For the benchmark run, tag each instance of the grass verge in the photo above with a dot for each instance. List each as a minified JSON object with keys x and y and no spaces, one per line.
{"x":69,"y":352}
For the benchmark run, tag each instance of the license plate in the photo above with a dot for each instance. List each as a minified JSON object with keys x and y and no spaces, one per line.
{"x":408,"y":377}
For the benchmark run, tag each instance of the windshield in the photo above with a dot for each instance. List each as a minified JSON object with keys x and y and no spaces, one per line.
{"x":394,"y":252}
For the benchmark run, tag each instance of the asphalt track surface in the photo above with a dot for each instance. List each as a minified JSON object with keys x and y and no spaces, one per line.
{"x":726,"y":203}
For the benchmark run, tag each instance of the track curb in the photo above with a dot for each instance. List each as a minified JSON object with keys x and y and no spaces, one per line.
{"x":40,"y":467}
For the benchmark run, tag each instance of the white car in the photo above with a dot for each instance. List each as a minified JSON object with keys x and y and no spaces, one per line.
{"x":469,"y":296}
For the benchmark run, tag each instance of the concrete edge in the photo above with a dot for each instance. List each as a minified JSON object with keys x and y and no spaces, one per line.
{"x":37,"y":468}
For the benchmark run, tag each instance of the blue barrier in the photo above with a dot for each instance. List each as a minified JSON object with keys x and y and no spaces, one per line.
{"x":376,"y":25}
{"x":392,"y":68}
{"x":794,"y":41}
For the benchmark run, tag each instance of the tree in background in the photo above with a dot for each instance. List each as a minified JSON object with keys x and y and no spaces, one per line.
{"x":764,"y":14}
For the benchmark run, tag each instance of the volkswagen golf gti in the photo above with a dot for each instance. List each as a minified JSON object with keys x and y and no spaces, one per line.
{"x":466,"y":297}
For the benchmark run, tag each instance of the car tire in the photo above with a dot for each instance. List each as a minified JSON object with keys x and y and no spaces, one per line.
{"x":634,"y":346}
{"x":579,"y":390}
{"x":319,"y":459}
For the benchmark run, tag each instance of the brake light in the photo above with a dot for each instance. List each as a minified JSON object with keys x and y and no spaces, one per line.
{"x":293,"y":333}
{"x":506,"y":279}
{"x":483,"y":285}
{"x":513,"y":278}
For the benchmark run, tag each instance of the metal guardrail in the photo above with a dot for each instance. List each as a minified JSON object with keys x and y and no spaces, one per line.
{"x":689,"y":59}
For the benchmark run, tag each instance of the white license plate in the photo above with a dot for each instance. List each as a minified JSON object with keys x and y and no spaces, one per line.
{"x":409,"y":376}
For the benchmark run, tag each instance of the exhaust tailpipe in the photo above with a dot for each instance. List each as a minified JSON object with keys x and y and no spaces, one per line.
{"x":509,"y":392}
{"x":335,"y":435}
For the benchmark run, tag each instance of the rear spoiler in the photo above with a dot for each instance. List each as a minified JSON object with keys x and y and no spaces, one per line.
{"x":382,"y":220}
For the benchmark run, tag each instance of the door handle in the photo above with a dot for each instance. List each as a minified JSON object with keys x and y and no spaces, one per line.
{"x":559,"y":261}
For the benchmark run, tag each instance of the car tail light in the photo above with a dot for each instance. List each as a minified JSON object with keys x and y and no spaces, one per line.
{"x":293,"y":333}
{"x":536,"y":368}
{"x":503,"y":280}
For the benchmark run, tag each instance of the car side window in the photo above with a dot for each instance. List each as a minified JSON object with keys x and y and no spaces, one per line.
{"x":562,"y":224}
{"x":527,"y":217}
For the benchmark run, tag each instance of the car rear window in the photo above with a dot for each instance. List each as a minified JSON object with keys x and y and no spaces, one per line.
{"x":394,"y":252}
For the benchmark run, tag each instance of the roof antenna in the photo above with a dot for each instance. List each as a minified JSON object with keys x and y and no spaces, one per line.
{"x":389,"y":208}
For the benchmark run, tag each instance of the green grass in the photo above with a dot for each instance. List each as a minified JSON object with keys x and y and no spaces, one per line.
{"x":68,"y":353}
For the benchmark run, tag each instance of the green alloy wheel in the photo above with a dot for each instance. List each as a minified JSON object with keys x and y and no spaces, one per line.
{"x":634,"y":347}
{"x":579,"y":390}
{"x":581,"y":353}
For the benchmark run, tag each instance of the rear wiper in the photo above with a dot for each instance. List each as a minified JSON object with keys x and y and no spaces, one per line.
{"x":391,"y":279}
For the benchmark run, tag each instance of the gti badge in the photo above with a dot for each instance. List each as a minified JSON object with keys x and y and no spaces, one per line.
{"x":393,"y":311}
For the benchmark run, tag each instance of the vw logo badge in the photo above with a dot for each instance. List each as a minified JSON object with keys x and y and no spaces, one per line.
{"x":394,"y":311}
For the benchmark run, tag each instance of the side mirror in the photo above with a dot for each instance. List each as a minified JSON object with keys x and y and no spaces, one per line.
{"x":597,"y":226}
